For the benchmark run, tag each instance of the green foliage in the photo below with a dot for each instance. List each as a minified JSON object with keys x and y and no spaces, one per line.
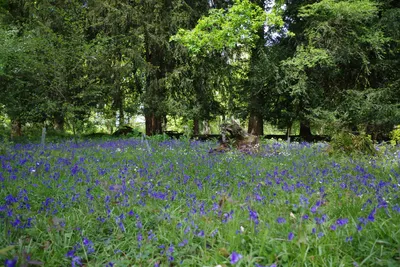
{"x":277,"y":61}
{"x":221,"y":29}
{"x":395,"y":136}
{"x":348,"y":143}
{"x":5,"y":145}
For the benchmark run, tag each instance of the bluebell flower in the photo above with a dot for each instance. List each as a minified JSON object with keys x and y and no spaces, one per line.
{"x":235,"y":257}
{"x":213,"y":233}
{"x":371,"y":216}
{"x":11,"y":263}
{"x":89,"y":245}
{"x":281,"y":220}
{"x":76,"y":261}
{"x":200,"y":233}
{"x":253,"y":215}
{"x":227,"y":216}
{"x":290,"y":236}
{"x":342,"y":221}
{"x":183,"y":243}
{"x":313,"y":209}
{"x":151,"y":235}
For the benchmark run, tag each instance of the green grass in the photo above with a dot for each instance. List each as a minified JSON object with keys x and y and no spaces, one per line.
{"x":128,"y":203}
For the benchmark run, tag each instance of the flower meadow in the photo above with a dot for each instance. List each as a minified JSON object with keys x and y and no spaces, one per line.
{"x":131,"y":202}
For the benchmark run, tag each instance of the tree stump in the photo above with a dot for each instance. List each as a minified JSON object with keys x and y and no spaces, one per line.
{"x":235,"y":137}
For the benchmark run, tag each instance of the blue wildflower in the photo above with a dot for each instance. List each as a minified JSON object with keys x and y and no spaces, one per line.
{"x":342,"y":222}
{"x":371,"y":216}
{"x":281,"y":220}
{"x":235,"y":257}
{"x":200,"y":233}
{"x":76,"y":261}
{"x":253,"y":215}
{"x":89,"y":245}
{"x":11,"y":263}
{"x":183,"y":243}
{"x":290,"y":236}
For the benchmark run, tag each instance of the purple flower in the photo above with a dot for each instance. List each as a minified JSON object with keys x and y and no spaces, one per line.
{"x":227,"y":216}
{"x":349,"y":239}
{"x":235,"y":257}
{"x":89,"y":245}
{"x":342,"y":222}
{"x":151,"y":235}
{"x":171,"y":248}
{"x":290,"y":236}
{"x":371,"y":216}
{"x":305,"y":217}
{"x":76,"y":261}
{"x":333,"y":227}
{"x":139,"y":237}
{"x":11,"y":263}
{"x":253,"y":215}
{"x":280,"y":220}
{"x":213,"y":233}
{"x":200,"y":233}
{"x":74,"y":170}
{"x":70,"y":253}
{"x":313,"y":209}
{"x":183,"y":243}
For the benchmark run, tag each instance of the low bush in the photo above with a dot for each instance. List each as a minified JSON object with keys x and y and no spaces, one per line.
{"x":349,"y":143}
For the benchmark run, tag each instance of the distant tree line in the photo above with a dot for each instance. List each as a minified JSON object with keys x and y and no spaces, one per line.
{"x":328,"y":62}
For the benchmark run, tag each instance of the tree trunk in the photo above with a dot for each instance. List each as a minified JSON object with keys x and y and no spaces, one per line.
{"x":153,"y":124}
{"x":164,"y":123}
{"x":58,"y":122}
{"x":288,"y":131}
{"x":196,"y":128}
{"x":256,"y":124}
{"x":305,"y":130}
{"x":16,"y":128}
{"x":121,"y":117}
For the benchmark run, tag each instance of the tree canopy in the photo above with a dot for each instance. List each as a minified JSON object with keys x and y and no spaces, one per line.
{"x":310,"y":62}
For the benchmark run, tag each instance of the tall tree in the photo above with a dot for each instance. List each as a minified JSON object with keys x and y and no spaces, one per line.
{"x":232,"y":33}
{"x":331,"y":67}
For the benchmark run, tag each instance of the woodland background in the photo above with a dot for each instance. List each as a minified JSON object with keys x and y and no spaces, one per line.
{"x":299,"y":66}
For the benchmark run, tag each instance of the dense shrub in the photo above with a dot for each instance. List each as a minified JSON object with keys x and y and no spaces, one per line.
{"x":349,"y":143}
{"x":395,"y":136}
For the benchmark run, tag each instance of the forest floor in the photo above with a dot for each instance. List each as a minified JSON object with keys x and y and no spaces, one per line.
{"x":131,"y":202}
